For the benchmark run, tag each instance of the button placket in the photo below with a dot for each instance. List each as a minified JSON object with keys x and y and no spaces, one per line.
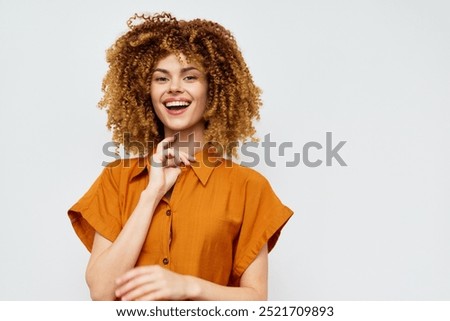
{"x":166,"y":259}
{"x":169,"y":213}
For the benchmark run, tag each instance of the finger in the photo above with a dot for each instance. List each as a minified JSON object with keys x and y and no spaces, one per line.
{"x":141,"y":289}
{"x":165,"y":156}
{"x":155,"y":295}
{"x":170,"y":153}
{"x":159,"y":159}
{"x":137,"y":271}
{"x":135,"y":283}
{"x":188,"y":157}
{"x":165,"y":143}
{"x":170,"y":163}
{"x":184,"y":159}
{"x":175,"y":158}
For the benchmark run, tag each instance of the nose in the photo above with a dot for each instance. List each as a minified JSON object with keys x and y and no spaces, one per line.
{"x":175,"y":86}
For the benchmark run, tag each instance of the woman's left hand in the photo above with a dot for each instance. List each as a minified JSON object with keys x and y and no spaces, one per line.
{"x":151,"y":282}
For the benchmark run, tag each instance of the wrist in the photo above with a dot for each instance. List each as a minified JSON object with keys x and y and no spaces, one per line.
{"x":193,"y":288}
{"x":150,"y":195}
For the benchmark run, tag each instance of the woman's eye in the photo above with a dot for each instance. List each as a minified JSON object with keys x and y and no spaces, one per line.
{"x":190,"y":78}
{"x":161,"y":79}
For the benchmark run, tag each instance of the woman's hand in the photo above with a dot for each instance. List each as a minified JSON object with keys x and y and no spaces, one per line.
{"x":165,"y":167}
{"x":152,"y":282}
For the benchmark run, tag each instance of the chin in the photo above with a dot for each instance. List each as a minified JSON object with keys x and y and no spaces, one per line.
{"x":177,"y":127}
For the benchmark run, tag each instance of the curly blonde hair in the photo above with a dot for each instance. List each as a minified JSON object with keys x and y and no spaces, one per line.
{"x":233,"y":98}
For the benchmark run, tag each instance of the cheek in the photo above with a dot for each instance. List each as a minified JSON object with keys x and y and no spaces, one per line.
{"x":155,"y":94}
{"x":203,"y":93}
{"x":157,"y":107}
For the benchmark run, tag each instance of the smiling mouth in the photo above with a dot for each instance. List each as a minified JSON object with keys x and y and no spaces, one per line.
{"x":177,"y":105}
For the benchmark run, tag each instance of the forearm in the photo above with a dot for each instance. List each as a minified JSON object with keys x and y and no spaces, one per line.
{"x":252,"y":285}
{"x":123,"y":253}
{"x":199,"y":289}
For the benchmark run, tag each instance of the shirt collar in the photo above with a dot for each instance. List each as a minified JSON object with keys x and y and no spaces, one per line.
{"x":205,"y":162}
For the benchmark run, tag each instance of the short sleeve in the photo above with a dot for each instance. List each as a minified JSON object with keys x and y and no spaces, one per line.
{"x":263,"y":220}
{"x":98,"y":210}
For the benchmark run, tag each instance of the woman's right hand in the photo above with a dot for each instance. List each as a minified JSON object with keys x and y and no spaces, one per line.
{"x":165,"y":167}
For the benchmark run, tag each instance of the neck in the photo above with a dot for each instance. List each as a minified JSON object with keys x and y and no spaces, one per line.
{"x":187,"y":141}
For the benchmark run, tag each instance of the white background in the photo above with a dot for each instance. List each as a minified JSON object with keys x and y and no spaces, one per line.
{"x":374,"y":73}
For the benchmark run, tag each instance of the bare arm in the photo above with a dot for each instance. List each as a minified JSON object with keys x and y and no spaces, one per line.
{"x":157,"y":283}
{"x":109,"y":259}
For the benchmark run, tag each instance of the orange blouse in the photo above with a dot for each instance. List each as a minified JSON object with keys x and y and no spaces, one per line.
{"x":218,"y":218}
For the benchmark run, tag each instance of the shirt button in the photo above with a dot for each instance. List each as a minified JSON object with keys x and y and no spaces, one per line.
{"x":166,"y":261}
{"x":168,"y":212}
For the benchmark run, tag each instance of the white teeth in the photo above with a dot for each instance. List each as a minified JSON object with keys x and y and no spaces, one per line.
{"x":177,"y":104}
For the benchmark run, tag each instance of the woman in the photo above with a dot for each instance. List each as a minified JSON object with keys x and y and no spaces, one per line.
{"x":181,"y":221}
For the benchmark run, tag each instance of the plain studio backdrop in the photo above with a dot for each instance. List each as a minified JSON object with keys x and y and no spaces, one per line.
{"x":375,"y":74}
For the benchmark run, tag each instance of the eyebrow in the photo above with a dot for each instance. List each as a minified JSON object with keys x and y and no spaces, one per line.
{"x":183,"y":70}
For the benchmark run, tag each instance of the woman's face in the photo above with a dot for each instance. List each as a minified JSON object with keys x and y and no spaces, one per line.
{"x":179,"y":94}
